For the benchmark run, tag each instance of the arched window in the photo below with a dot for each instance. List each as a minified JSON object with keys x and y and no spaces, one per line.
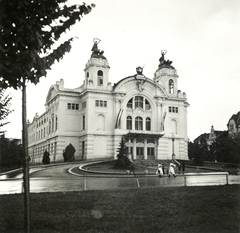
{"x":173,"y":127}
{"x":147,"y":105}
{"x":171,"y":86}
{"x":138,"y":123}
{"x":130,"y":103}
{"x":148,"y":124}
{"x":100,"y":78}
{"x":129,"y":122}
{"x":100,"y":122}
{"x":138,"y":102}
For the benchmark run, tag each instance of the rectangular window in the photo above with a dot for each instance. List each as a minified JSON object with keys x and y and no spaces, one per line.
{"x":56,"y":123}
{"x":84,"y":104}
{"x":100,"y":103}
{"x":173,"y":109}
{"x":140,"y":151}
{"x":138,"y":102}
{"x":150,"y":151}
{"x":72,"y":106}
{"x":83,"y":122}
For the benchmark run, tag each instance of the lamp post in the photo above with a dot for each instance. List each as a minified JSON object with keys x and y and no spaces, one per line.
{"x":173,"y":155}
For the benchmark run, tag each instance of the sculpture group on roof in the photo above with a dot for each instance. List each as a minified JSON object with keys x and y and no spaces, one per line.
{"x":163,"y":62}
{"x":95,"y":51}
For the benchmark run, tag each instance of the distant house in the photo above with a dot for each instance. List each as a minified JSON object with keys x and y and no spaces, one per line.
{"x":17,"y":140}
{"x":209,"y":138}
{"x":234,"y":125}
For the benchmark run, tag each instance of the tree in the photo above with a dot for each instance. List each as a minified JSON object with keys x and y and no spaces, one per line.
{"x":29,"y":31}
{"x":4,"y":108}
{"x":46,"y":158}
{"x":68,"y":153}
{"x":196,"y":152}
{"x":10,"y":154}
{"x":122,"y":159}
{"x":227,"y":149}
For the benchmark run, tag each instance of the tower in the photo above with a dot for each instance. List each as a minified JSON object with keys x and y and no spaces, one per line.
{"x":166,"y":76}
{"x":97,"y":69}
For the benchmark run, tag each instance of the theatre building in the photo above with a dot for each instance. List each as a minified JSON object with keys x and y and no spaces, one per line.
{"x":151,"y":114}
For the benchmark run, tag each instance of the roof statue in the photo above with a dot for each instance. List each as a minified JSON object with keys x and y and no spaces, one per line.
{"x":141,"y":79}
{"x":139,"y":70}
{"x":164,"y":63}
{"x":95,"y":51}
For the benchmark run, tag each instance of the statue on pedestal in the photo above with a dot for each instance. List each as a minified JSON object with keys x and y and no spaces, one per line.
{"x":95,"y":51}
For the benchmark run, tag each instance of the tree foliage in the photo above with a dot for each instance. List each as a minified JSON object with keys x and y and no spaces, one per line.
{"x":122,"y":159}
{"x":10,"y":153}
{"x":4,"y":108}
{"x":68,"y":153}
{"x":227,"y":149}
{"x":29,"y":29}
{"x":223,"y":149}
{"x":196,"y":153}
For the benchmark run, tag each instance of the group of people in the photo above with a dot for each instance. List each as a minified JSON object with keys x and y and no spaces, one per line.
{"x":171,"y":169}
{"x":161,"y":169}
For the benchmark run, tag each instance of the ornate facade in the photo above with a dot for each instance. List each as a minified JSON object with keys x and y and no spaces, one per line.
{"x":150,"y":112}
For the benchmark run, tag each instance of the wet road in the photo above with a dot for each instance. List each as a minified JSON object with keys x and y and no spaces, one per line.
{"x":58,"y":179}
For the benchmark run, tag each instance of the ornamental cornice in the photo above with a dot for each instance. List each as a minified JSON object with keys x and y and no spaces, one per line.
{"x":96,"y":92}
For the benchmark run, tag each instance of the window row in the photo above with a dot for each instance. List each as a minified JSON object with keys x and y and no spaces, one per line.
{"x":173,"y":109}
{"x":138,"y":102}
{"x":99,"y":78}
{"x":100,"y":103}
{"x":140,"y":152}
{"x":42,"y":133}
{"x":73,"y":106}
{"x":138,"y":123}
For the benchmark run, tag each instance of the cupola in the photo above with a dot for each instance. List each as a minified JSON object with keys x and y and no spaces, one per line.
{"x":166,"y":75}
{"x":97,"y":69}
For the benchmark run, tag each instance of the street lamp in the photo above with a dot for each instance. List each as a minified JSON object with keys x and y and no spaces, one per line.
{"x":173,"y":155}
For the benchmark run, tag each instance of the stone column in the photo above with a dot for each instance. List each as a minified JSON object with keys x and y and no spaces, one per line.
{"x":145,"y":149}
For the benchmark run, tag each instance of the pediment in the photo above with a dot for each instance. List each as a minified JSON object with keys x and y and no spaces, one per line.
{"x":51,"y":93}
{"x":141,"y":86}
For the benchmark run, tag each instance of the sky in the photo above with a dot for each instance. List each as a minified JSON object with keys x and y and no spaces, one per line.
{"x":202,"y":39}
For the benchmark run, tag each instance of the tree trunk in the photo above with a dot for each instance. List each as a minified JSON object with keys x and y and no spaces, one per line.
{"x":25,"y":158}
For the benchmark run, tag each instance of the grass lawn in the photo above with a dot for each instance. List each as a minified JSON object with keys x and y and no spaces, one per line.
{"x":211,"y":209}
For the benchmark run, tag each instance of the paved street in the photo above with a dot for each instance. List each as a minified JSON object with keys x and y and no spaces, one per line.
{"x":58,"y":179}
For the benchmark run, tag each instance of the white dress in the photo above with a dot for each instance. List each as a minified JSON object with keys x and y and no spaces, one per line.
{"x":160,"y":171}
{"x":171,"y":168}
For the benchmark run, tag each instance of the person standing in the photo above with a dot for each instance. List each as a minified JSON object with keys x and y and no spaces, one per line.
{"x":132,"y":169}
{"x":171,"y":170}
{"x":160,"y":170}
{"x":183,"y":167}
{"x":163,"y":168}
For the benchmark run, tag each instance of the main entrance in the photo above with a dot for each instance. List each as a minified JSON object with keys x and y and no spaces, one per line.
{"x":142,"y":146}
